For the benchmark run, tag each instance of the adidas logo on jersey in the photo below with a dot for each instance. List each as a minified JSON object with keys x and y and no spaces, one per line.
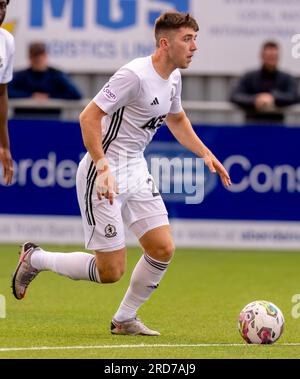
{"x":155,"y":102}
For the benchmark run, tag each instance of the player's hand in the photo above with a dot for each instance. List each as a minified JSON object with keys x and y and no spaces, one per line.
{"x":214,"y":166}
{"x":7,"y":163}
{"x":106,"y":185}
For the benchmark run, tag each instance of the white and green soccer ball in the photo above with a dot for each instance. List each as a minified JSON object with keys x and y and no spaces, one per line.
{"x":261,"y":322}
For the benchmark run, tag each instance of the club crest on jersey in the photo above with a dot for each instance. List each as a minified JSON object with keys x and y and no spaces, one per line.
{"x":109,"y":94}
{"x":110,"y":231}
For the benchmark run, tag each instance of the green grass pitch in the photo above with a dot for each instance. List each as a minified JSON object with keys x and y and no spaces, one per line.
{"x":196,"y":305}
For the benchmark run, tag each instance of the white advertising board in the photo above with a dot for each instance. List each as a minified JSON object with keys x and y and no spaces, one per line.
{"x":94,"y":36}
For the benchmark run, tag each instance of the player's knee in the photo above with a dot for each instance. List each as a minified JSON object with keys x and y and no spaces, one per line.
{"x":168,"y":251}
{"x":111,"y":276}
{"x":164,"y":251}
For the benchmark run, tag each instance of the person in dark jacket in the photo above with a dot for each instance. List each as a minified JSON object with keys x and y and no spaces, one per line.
{"x":262,"y":93}
{"x":40,"y":81}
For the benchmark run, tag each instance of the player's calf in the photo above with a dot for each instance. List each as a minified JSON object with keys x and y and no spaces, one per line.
{"x":111,"y":265}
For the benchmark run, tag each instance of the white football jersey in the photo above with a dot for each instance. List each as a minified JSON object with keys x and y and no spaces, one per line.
{"x":137,"y":100}
{"x":7,"y":50}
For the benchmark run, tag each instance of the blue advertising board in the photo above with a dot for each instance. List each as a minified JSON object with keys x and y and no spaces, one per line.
{"x":263,"y":162}
{"x":264,"y":166}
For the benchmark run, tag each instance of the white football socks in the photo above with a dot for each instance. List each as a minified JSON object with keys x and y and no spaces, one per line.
{"x":145,"y":279}
{"x":77,"y":266}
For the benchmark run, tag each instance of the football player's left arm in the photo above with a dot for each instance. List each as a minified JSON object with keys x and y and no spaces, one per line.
{"x":5,"y":156}
{"x":181,"y":128}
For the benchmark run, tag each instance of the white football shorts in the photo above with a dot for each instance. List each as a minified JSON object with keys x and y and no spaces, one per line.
{"x":103,"y":223}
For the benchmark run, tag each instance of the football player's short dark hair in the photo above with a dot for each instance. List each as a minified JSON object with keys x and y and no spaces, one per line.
{"x":7,"y":2}
{"x":173,"y":20}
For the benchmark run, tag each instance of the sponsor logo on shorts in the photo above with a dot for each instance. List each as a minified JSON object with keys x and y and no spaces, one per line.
{"x":109,"y":94}
{"x":110,"y":231}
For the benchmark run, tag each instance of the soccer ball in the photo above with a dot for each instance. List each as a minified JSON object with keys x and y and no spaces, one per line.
{"x":261,"y":322}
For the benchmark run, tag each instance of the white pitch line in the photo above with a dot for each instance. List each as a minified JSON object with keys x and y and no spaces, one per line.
{"x":134,"y":346}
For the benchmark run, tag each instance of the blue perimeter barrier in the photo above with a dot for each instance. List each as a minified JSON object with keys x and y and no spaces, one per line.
{"x":263,"y":162}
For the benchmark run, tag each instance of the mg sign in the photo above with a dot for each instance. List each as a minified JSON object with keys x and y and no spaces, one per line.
{"x":88,"y":36}
{"x":113,"y":14}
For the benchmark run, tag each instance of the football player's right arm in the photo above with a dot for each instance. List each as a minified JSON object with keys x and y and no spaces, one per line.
{"x":5,"y":156}
{"x":90,"y":122}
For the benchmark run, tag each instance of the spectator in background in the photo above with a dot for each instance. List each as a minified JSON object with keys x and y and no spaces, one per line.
{"x":261,"y":93}
{"x":40,"y":81}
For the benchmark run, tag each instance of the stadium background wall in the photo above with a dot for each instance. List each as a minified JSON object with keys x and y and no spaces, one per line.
{"x":98,"y":36}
